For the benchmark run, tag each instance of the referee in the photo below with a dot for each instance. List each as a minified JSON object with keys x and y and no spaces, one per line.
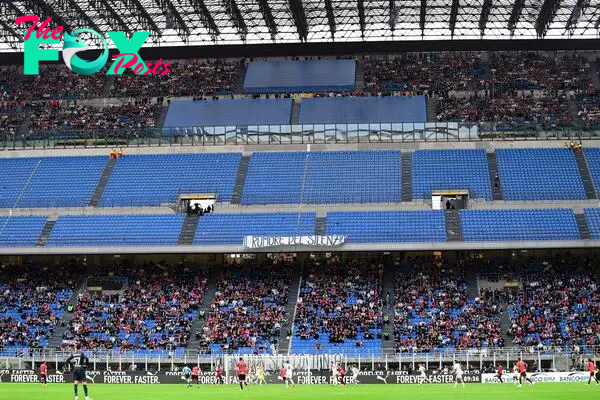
{"x":80,"y":362}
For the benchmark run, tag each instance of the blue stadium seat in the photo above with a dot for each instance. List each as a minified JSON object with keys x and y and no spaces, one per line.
{"x":388,"y":226}
{"x":592,"y":155}
{"x":20,"y":231}
{"x":331,"y":177}
{"x":155,"y":179}
{"x":115,"y":230}
{"x":539,"y":174}
{"x":49,"y":181}
{"x":450,"y":169}
{"x":231,"y":228}
{"x":498,"y":225}
{"x":592,"y":216}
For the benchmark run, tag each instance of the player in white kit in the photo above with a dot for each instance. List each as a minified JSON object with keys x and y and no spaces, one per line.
{"x":355,"y":373}
{"x":422,"y":375}
{"x":515,"y":374}
{"x":334,"y":374}
{"x":289,"y":377}
{"x":457,"y":369}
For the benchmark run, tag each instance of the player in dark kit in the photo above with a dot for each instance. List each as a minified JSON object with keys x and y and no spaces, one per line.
{"x":44,"y":373}
{"x":241,"y":369}
{"x":80,"y":362}
{"x":592,"y":371}
{"x":500,"y":371}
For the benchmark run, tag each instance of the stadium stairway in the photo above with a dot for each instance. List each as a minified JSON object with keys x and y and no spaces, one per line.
{"x":284,"y":343}
{"x":359,"y":76}
{"x":453,"y":227}
{"x":584,"y":228}
{"x":586,"y":177}
{"x":43,"y":239}
{"x":108,"y":84}
{"x":321,"y":226}
{"x":493,"y":167}
{"x":238,"y":87}
{"x":389,"y":286}
{"x":240,"y":180}
{"x":108,"y":169}
{"x":198,"y":323}
{"x":406,"y":176}
{"x":295,"y":115}
{"x":431,"y":107}
{"x":57,"y":338}
{"x":188,"y":229}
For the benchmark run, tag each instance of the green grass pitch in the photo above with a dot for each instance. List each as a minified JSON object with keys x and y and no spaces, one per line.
{"x":541,"y":391}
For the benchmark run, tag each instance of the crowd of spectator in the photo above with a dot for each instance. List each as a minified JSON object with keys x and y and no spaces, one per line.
{"x":559,"y":304}
{"x":32,"y":301}
{"x":340,"y":300}
{"x":434,"y":311}
{"x":154,"y":312}
{"x":424,"y":73}
{"x":63,"y":117}
{"x":194,"y":77}
{"x":248,"y":309}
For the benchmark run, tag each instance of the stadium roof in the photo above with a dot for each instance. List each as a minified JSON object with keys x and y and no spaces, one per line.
{"x":198,"y":22}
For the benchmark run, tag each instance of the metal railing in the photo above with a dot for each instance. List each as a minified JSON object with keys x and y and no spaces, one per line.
{"x":385,"y":132}
{"x":557,"y":358}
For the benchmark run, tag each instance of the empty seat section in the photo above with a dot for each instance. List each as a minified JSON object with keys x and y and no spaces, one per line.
{"x":300,"y":76}
{"x":450,"y":169}
{"x":231,"y":228}
{"x":150,"y":180}
{"x":593,"y":161}
{"x":592,"y":215}
{"x":362,"y":110}
{"x":539,"y":174}
{"x":388,"y":226}
{"x":20,"y":231}
{"x":496,"y":225}
{"x":15,"y":175}
{"x":324,"y":177}
{"x":185,"y":115}
{"x":114,"y":230}
{"x":63,"y":182}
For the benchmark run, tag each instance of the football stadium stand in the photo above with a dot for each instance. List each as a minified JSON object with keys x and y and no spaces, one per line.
{"x":539,"y":174}
{"x":300,"y":76}
{"x":362,"y":110}
{"x":156,"y":179}
{"x":388,"y":226}
{"x":248,"y":309}
{"x":507,"y":225}
{"x":32,"y":301}
{"x":592,"y":155}
{"x":339,"y":308}
{"x":113,"y":230}
{"x":20,"y":231}
{"x":323,"y":177}
{"x":450,"y":169}
{"x":231,"y":228}
{"x":592,"y":215}
{"x":153,"y":314}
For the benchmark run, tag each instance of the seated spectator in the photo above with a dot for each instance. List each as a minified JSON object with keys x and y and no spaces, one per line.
{"x":339,"y":301}
{"x":248,"y":309}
